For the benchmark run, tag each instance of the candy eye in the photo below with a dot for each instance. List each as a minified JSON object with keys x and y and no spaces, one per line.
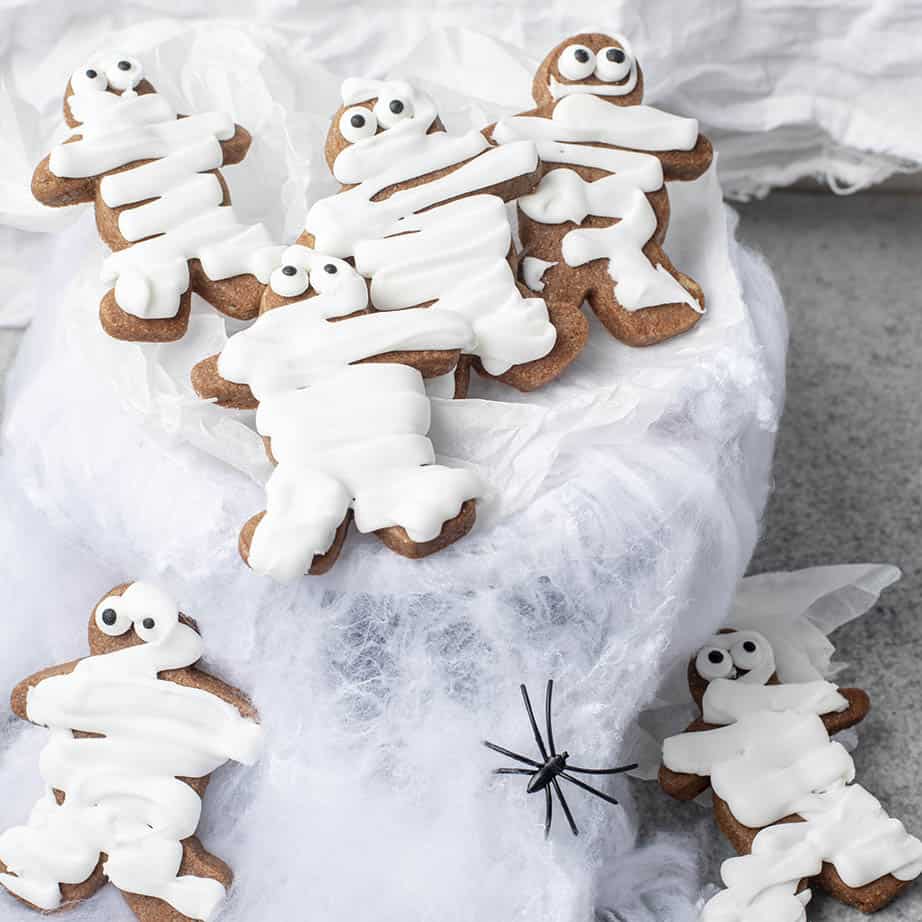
{"x":576,"y":62}
{"x":125,"y":73}
{"x":289,"y":280}
{"x":89,"y":80}
{"x":110,"y":620}
{"x":357,"y":123}
{"x":327,"y":273}
{"x":150,"y":629}
{"x":612,"y":64}
{"x":753,"y":654}
{"x":713,"y":663}
{"x":391,"y":110}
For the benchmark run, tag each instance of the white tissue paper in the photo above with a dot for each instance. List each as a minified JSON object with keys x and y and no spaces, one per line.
{"x":624,"y":506}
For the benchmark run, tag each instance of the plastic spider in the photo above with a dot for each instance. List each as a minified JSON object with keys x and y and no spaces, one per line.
{"x":544,"y":774}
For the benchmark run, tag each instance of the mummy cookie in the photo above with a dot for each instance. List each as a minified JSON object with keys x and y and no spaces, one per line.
{"x":422,"y":214}
{"x":783,"y":789}
{"x":136,"y":731}
{"x":594,"y":227}
{"x":345,"y":415}
{"x":161,"y":202}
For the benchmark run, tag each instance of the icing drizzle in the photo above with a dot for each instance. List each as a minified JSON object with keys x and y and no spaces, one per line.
{"x":122,"y":793}
{"x":185,"y":219}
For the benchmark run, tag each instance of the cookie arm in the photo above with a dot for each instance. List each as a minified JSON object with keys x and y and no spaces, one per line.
{"x":210,"y":385}
{"x":686,"y":164}
{"x":59,"y":192}
{"x":859,"y":705}
{"x":684,"y":785}
{"x":20,"y":695}
{"x":196,"y":678}
{"x":236,"y":147}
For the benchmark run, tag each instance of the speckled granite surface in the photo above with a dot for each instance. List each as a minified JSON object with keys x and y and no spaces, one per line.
{"x":848,"y":469}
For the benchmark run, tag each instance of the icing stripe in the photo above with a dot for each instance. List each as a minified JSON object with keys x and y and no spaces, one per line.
{"x":434,"y":257}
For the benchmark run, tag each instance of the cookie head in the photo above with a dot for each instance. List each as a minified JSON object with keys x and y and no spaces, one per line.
{"x":742,"y":656}
{"x":115,"y":74}
{"x":600,"y":65}
{"x":305,"y":273}
{"x":131,"y":614}
{"x":379,"y":122}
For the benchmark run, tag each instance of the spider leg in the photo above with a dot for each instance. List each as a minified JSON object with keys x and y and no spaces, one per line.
{"x":602,"y":771}
{"x":548,"y":812}
{"x":587,"y":787}
{"x":513,"y":771}
{"x":510,"y":754}
{"x":566,"y":809}
{"x":533,"y":722}
{"x":547,"y":717}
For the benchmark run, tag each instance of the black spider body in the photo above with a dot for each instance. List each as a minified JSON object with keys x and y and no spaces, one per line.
{"x":545,"y":775}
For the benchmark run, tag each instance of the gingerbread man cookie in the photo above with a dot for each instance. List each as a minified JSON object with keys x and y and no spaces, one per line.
{"x":344,"y":413}
{"x":594,"y":228}
{"x":422,"y":214}
{"x":136,"y":731}
{"x":782,"y":788}
{"x":161,"y":202}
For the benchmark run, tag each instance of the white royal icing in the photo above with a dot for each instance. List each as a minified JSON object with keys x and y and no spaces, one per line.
{"x":344,"y":435}
{"x":434,"y":257}
{"x":770,"y":764}
{"x":122,"y":796}
{"x":563,"y":195}
{"x":727,"y":700}
{"x":533,"y":270}
{"x":185,"y":219}
{"x":439,"y":259}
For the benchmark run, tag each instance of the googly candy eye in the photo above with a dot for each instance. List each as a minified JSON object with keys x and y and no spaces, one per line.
{"x":612,"y":64}
{"x":110,"y":619}
{"x":713,"y":663}
{"x":356,"y":123}
{"x":152,"y":628}
{"x":392,"y":109}
{"x":327,"y":273}
{"x":748,"y":654}
{"x":576,"y":62}
{"x":289,"y":280}
{"x":89,"y":79}
{"x":124,"y":73}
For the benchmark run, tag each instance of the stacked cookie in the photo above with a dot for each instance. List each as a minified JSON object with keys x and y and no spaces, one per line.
{"x":400,"y":284}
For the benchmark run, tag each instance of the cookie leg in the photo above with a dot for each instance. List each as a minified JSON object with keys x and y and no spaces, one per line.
{"x":197,"y":862}
{"x":71,"y":894}
{"x":321,"y":562}
{"x":120,"y":324}
{"x":648,"y":325}
{"x":869,"y":898}
{"x":396,"y":538}
{"x":566,"y":316}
